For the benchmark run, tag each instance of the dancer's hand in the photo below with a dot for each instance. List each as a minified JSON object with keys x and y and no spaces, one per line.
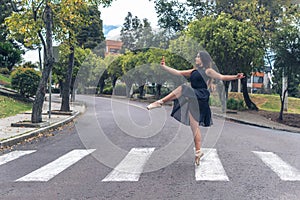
{"x":240,"y":76}
{"x":213,"y":87}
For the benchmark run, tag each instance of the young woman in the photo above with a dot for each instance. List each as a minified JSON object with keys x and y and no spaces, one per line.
{"x":191,"y":104}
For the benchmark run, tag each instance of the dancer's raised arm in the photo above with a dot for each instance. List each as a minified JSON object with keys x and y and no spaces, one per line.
{"x":213,"y":74}
{"x":186,"y":73}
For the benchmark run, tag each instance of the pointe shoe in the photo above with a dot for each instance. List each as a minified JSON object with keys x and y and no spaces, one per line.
{"x":156,"y":104}
{"x":198,"y":155}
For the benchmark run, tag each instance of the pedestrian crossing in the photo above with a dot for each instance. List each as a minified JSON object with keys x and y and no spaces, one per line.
{"x":285,"y":171}
{"x":211,"y":168}
{"x":13,"y":156}
{"x":50,"y":170}
{"x":133,"y":164}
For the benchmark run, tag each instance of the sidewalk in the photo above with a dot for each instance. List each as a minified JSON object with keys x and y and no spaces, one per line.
{"x":255,"y":120}
{"x":12,"y":135}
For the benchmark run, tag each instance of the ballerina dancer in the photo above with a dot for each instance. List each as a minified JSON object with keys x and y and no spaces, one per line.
{"x":191,"y":103}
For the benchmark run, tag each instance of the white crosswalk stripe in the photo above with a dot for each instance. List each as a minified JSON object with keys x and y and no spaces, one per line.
{"x":13,"y":156}
{"x":131,"y":167}
{"x":285,"y":171}
{"x":50,"y":170}
{"x":210,"y":168}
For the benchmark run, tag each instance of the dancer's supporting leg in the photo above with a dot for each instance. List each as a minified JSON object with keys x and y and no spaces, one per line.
{"x":197,"y":138}
{"x":173,"y":95}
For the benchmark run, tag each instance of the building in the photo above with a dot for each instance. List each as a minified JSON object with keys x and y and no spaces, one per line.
{"x":113,"y":47}
{"x":260,"y":81}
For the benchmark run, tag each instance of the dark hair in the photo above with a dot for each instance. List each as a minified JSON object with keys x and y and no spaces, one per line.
{"x":207,"y":61}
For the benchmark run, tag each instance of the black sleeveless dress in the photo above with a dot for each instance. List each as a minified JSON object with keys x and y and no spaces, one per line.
{"x":194,"y":99}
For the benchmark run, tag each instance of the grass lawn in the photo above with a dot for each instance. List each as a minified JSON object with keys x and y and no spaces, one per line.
{"x":270,"y":102}
{"x":10,"y":107}
{"x":4,"y":80}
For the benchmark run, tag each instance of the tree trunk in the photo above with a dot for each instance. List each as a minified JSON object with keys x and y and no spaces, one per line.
{"x":129,"y":82}
{"x":65,"y":103}
{"x":249,"y":103}
{"x":226,"y":85}
{"x":234,"y":85}
{"x":128,"y":88}
{"x":60,"y":87}
{"x":158,"y":91}
{"x":101,"y":85}
{"x":141,"y":91}
{"x":282,"y":99}
{"x":72,"y":88}
{"x":222,"y":96}
{"x":113,"y":81}
{"x":37,"y":107}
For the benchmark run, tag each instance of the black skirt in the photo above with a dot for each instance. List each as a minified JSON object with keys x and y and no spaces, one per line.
{"x":194,"y":101}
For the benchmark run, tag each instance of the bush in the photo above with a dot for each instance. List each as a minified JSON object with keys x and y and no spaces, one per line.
{"x":25,"y":80}
{"x":164,"y":91}
{"x":214,"y":100}
{"x":235,"y":104}
{"x":120,"y":90}
{"x":4,"y":71}
{"x":55,"y":90}
{"x":108,"y":90}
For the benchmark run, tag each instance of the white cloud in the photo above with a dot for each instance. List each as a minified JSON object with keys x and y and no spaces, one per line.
{"x":114,"y":34}
{"x":116,"y":13}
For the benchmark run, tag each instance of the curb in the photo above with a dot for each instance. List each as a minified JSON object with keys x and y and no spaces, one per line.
{"x":256,"y":125}
{"x":20,"y":138}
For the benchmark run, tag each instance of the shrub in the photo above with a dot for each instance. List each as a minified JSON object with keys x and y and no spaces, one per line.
{"x":55,"y":90}
{"x":25,"y":80}
{"x":164,"y":91}
{"x":4,"y":71}
{"x":120,"y":90}
{"x":214,"y":100}
{"x":235,"y":104}
{"x":108,"y":90}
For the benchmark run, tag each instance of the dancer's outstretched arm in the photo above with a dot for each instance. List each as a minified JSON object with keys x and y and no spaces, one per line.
{"x":213,"y":74}
{"x":186,"y":73}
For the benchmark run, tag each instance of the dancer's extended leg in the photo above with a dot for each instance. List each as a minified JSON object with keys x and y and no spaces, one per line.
{"x":197,"y":138}
{"x":173,"y":95}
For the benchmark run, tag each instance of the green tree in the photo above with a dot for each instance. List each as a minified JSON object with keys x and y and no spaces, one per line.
{"x":146,"y":38}
{"x":233,"y":45}
{"x":185,"y":46}
{"x":157,"y":76}
{"x":114,"y":68}
{"x":136,"y":34}
{"x":70,"y":18}
{"x":34,"y":23}
{"x":60,"y":67}
{"x":286,"y":44}
{"x":129,"y":62}
{"x":200,"y":9}
{"x":10,"y":52}
{"x":25,"y":80}
{"x":91,"y":34}
{"x":92,"y":73}
{"x":172,"y":15}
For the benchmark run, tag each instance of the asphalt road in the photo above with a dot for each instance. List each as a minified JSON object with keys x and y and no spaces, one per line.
{"x":119,"y":150}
